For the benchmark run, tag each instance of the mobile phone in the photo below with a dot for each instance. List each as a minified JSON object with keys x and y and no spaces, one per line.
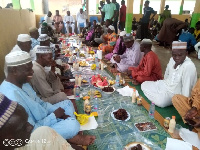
{"x":190,"y":122}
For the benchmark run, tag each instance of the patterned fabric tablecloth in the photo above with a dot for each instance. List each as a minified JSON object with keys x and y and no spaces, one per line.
{"x":114,"y":135}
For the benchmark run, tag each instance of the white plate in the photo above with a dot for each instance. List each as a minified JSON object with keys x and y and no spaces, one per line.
{"x":130,"y":145}
{"x":113,"y":116}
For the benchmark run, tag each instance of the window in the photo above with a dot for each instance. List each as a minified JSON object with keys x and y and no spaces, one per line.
{"x":136,"y":7}
{"x":189,"y":6}
{"x":174,"y":6}
{"x":155,"y":4}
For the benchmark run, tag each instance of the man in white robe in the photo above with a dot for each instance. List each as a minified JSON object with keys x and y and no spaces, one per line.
{"x":131,"y":57}
{"x":180,"y":77}
{"x":47,"y":85}
{"x":23,"y":44}
{"x":70,"y":22}
{"x":48,"y":20}
{"x":81,"y":18}
{"x":59,"y":116}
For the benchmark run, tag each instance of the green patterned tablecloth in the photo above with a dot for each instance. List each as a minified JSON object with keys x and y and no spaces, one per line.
{"x":116,"y":134}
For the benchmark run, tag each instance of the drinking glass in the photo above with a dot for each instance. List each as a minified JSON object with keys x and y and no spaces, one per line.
{"x":100,"y":119}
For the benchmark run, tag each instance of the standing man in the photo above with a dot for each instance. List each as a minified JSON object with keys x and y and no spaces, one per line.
{"x":116,"y":15}
{"x":166,"y":14}
{"x":70,"y":22}
{"x":81,"y":18}
{"x":58,"y":21}
{"x":109,"y":11}
{"x":145,"y":19}
{"x":122,"y":15}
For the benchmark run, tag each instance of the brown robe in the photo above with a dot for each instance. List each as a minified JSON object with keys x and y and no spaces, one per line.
{"x":170,"y":29}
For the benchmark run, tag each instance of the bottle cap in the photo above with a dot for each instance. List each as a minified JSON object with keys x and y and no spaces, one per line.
{"x":173,"y":117}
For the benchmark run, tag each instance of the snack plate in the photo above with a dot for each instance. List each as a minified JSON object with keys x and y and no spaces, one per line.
{"x":113,"y":116}
{"x":148,"y":128}
{"x":109,"y":92}
{"x":130,"y":145}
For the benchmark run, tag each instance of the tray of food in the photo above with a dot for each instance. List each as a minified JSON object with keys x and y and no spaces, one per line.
{"x":137,"y":146}
{"x":108,"y":90}
{"x":145,"y":126}
{"x":120,"y":115}
{"x":99,"y":81}
{"x":83,"y":63}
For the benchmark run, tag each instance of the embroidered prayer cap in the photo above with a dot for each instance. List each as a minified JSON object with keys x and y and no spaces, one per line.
{"x":33,"y":29}
{"x":122,"y":33}
{"x":7,"y":108}
{"x":43,"y":50}
{"x":44,"y":24}
{"x":128,"y":37}
{"x":179,"y":45}
{"x":146,"y":41}
{"x":17,"y":58}
{"x":43,"y":37}
{"x":23,"y":38}
{"x":111,"y":27}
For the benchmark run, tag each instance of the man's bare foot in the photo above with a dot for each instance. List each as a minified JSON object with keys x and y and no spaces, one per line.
{"x":84,"y":140}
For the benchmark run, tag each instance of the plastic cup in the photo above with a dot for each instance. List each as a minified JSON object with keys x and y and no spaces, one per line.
{"x":177,"y":130}
{"x":100,"y":117}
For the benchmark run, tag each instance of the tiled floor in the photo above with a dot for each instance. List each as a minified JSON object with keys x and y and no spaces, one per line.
{"x":165,"y":54}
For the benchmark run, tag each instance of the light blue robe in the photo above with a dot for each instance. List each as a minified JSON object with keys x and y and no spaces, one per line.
{"x":41,"y":113}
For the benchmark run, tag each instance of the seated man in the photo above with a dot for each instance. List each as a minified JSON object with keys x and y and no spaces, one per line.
{"x":48,"y":20}
{"x":59,"y":116}
{"x":120,"y":48}
{"x":23,"y":43}
{"x":44,"y":40}
{"x":109,"y":40}
{"x":34,"y":36}
{"x":58,"y":22}
{"x":70,"y":22}
{"x":189,"y":107}
{"x":149,"y":68}
{"x":97,"y":34}
{"x":131,"y":57}
{"x":17,"y":117}
{"x":40,"y":78}
{"x":105,"y":31}
{"x":81,"y":18}
{"x":187,"y":36}
{"x":90,"y":34}
{"x":180,"y":77}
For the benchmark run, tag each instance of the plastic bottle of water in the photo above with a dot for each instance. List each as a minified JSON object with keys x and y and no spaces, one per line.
{"x":117,"y":80}
{"x":97,"y":63}
{"x":152,"y":110}
{"x":96,"y":104}
{"x":78,"y":54}
{"x":77,"y":93}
